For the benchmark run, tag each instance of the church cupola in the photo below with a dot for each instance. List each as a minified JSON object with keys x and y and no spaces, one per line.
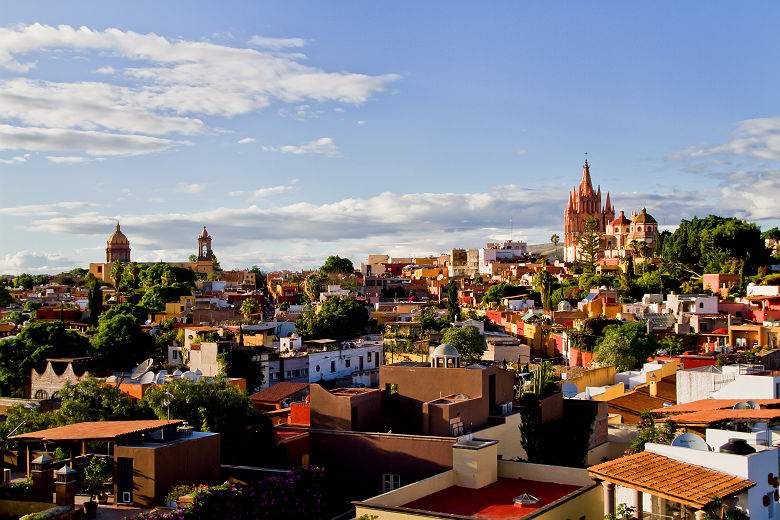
{"x":118,"y":247}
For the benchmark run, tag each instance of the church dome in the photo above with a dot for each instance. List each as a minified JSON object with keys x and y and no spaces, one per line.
{"x":205,"y":233}
{"x":644,"y":218}
{"x":118,"y":238}
{"x":446,"y":350}
{"x":621,"y":220}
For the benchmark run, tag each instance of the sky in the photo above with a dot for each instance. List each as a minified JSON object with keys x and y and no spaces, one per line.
{"x":298,"y":130}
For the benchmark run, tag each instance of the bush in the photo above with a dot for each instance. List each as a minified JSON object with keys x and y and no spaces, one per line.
{"x":47,"y":513}
{"x":296,"y":495}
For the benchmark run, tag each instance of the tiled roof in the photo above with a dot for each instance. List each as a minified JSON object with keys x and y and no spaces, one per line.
{"x":95,"y":431}
{"x":714,"y":404}
{"x":713,"y":416}
{"x":632,"y":404}
{"x":661,"y":476}
{"x":279,"y":391}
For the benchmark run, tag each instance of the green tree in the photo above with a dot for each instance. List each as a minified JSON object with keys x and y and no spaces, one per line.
{"x":338,"y":318}
{"x":337,"y":265}
{"x":193,"y":258}
{"x":554,"y":239}
{"x":215,"y":406}
{"x":453,"y":306}
{"x":243,"y":362}
{"x":626,"y":346}
{"x":5,"y":296}
{"x":468,"y":341}
{"x":249,"y":306}
{"x":27,"y":420}
{"x":117,"y":269}
{"x":120,"y":342}
{"x":79,"y":272}
{"x":543,"y":282}
{"x":429,"y":322}
{"x":24,"y":280}
{"x":589,"y":245}
{"x":499,"y":291}
{"x":95,"y":301}
{"x":92,"y":400}
{"x":313,"y":282}
{"x":38,"y":341}
{"x":138,"y":312}
{"x":616,"y":350}
{"x":157,"y":296}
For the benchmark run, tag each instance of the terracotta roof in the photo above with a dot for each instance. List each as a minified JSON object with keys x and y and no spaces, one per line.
{"x":279,"y":391}
{"x":95,"y":431}
{"x":678,"y":481}
{"x":728,"y":414}
{"x":713,"y":404}
{"x":630,"y":405}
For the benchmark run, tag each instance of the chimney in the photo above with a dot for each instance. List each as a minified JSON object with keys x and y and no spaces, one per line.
{"x":475,"y":462}
{"x":42,"y":478}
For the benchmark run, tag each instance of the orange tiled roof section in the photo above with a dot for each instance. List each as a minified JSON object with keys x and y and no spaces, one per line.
{"x":714,"y":404}
{"x":279,"y":391}
{"x":728,"y":414}
{"x":671,"y":479}
{"x":95,"y":431}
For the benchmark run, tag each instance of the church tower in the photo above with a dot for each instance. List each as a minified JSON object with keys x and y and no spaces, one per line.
{"x":204,"y":247}
{"x":584,"y":202}
{"x":118,"y":247}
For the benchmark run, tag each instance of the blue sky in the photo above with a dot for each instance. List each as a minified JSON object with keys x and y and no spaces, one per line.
{"x":296,"y":130}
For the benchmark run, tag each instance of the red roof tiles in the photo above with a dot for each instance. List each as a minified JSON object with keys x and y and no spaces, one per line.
{"x":662,"y":476}
{"x":95,"y":431}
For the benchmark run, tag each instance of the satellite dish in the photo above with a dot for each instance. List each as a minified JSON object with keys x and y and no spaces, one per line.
{"x":569,"y":389}
{"x":189,"y":376}
{"x":742,"y":406}
{"x":692,"y":441}
{"x":440,"y":277}
{"x":754,"y":405}
{"x":160,"y":380}
{"x":142,"y":369}
{"x":198,"y":372}
{"x":177,"y":373}
{"x":147,"y":378}
{"x":525,"y":500}
{"x":111,"y":379}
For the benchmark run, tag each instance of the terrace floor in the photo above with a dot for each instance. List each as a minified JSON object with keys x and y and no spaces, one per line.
{"x":493,"y":501}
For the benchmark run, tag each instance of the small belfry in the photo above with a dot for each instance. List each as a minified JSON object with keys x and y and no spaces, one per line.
{"x":584,"y":203}
{"x":118,"y":247}
{"x":205,"y":254}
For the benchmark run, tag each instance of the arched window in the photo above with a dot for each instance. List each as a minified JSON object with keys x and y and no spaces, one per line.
{"x":55,"y":395}
{"x":41,"y":394}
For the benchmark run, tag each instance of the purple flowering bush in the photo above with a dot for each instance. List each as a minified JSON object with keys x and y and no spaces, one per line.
{"x":649,"y":432}
{"x":297,"y":494}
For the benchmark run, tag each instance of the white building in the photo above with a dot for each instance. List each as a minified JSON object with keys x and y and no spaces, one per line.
{"x":333,"y":362}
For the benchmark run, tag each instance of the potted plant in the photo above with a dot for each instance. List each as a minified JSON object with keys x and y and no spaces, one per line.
{"x":96,"y":474}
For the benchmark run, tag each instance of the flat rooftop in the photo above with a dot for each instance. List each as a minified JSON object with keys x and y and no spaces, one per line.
{"x":494,"y":501}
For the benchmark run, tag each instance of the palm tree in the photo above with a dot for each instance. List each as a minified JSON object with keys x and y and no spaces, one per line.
{"x":554,"y":239}
{"x":543,"y":281}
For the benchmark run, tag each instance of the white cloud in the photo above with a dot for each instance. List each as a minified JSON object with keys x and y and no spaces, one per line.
{"x":522,"y":152}
{"x":35,"y":262}
{"x":276,"y":43}
{"x":190,"y":188}
{"x":322,"y":146}
{"x":48,"y":210}
{"x":273,"y":190}
{"x":169,"y":86}
{"x":16,"y":160}
{"x":89,"y":142}
{"x":246,"y":140}
{"x":360,"y":123}
{"x":71,"y":159}
{"x":756,"y":138}
{"x":236,"y":193}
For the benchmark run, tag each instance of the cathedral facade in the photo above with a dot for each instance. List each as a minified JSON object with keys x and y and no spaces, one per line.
{"x":621,"y":236}
{"x":584,"y":203}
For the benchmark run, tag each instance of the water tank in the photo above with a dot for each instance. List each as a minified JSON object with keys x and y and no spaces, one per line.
{"x":737,"y":447}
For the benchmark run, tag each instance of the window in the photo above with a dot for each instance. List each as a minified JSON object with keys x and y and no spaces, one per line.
{"x":332,"y":366}
{"x":288,"y":374}
{"x":317,"y":368}
{"x":368,"y":357}
{"x":346,"y":363}
{"x":305,"y":371}
{"x":701,"y":305}
{"x":174,"y":354}
{"x":390,"y":481}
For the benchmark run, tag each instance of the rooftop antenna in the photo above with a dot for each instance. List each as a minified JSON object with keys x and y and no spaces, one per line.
{"x":511,"y":229}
